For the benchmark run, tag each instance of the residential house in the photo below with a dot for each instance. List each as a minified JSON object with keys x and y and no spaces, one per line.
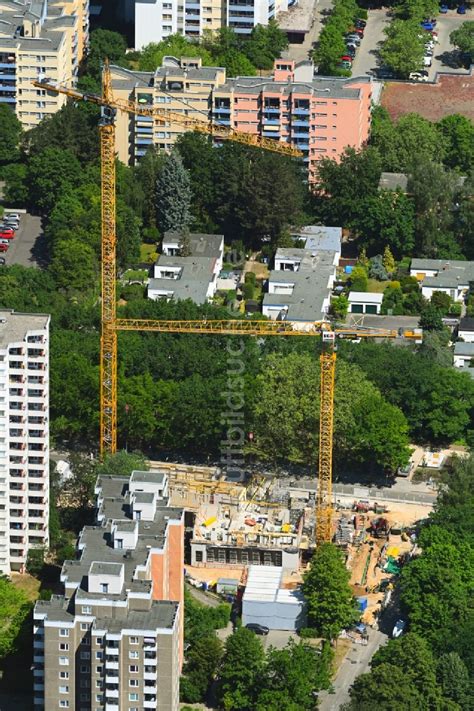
{"x":463,"y":354}
{"x":452,"y":277}
{"x":320,"y":237}
{"x":187,"y":277}
{"x":466,"y":329}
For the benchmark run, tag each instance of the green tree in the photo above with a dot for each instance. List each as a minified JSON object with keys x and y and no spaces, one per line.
{"x":241,"y":670}
{"x":122,"y":463}
{"x":408,"y":143}
{"x":74,"y":266}
{"x":201,"y":159}
{"x":331,"y":604}
{"x":389,"y":261}
{"x":385,"y":688}
{"x":454,"y":679}
{"x":393,"y":299}
{"x":105,"y":44}
{"x":431,"y":318}
{"x":236,"y":63}
{"x":442,"y":301}
{"x":359,"y":280}
{"x":201,"y":664}
{"x":265,"y":44}
{"x":330,"y":49}
{"x":175,"y":45}
{"x":403,"y":49}
{"x":340,"y":307}
{"x":147,"y":173}
{"x":463,"y":38}
{"x":16,"y":187}
{"x":458,"y":135}
{"x":286,"y":420}
{"x":14,"y":609}
{"x":377,"y":268}
{"x":35,"y":561}
{"x":173,"y":195}
{"x":51,"y":174}
{"x":291,"y":677}
{"x":386,"y":218}
{"x":80,"y":486}
{"x":10,"y":133}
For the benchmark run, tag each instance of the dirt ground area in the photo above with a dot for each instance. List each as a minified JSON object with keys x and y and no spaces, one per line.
{"x":28,"y":584}
{"x":451,"y":95}
{"x":260,"y":270}
{"x":207,"y":575}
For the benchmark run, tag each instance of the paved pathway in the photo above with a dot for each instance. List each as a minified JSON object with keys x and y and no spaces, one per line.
{"x":365,"y":61}
{"x":25,"y":247}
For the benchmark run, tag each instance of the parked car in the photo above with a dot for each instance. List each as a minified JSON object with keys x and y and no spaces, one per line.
{"x":427,"y":61}
{"x":398,"y":629}
{"x":443,"y":9}
{"x":345,"y":65}
{"x":12,"y":215}
{"x":258,"y":629}
{"x":351,"y":52}
{"x":461,"y":10}
{"x":3,"y":261}
{"x":13,"y":225}
{"x":418,"y":76}
{"x":351,"y":47}
{"x":4,"y":247}
{"x":353,"y":39}
{"x":428,"y":25}
{"x":346,"y":58}
{"x":7,"y":234}
{"x":361,"y":23}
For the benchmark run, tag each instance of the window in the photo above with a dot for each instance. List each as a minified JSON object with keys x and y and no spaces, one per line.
{"x":85,"y":684}
{"x":99,"y":640}
{"x":64,"y":675}
{"x":98,"y":683}
{"x":85,"y":697}
{"x":99,"y":655}
{"x":99,"y":669}
{"x":86,"y":610}
{"x":133,"y":682}
{"x":84,"y":625}
{"x":133,"y":669}
{"x":63,"y":704}
{"x":198,"y":556}
{"x":86,"y":641}
{"x":85,"y":669}
{"x":104,"y":587}
{"x":133,"y":697}
{"x":64,"y":647}
{"x":85,"y":655}
{"x":99,"y":698}
{"x":63,"y":633}
{"x":64,"y":689}
{"x":133,"y":640}
{"x":64,"y":661}
{"x":133,"y":655}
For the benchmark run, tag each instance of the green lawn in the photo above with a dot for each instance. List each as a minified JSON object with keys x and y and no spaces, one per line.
{"x":377,"y":287}
{"x":148,"y":253}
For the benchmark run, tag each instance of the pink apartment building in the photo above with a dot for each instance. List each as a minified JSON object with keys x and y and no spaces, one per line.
{"x":319,"y":115}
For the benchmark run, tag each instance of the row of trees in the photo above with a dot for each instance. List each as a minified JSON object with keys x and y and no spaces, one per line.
{"x":432,"y":667}
{"x":331,"y":44}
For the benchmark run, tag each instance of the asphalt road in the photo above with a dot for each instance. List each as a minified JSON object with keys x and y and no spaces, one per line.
{"x":25,"y":248}
{"x":365,"y":61}
{"x":356,"y":662}
{"x":300,"y":52}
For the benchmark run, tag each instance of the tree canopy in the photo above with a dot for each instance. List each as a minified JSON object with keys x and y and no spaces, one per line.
{"x":10,"y":133}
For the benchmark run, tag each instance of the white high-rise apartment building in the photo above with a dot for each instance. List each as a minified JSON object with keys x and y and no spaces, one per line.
{"x":24,"y":436}
{"x":157,"y":19}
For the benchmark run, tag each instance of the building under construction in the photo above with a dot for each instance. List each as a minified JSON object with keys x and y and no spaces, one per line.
{"x":230,"y":524}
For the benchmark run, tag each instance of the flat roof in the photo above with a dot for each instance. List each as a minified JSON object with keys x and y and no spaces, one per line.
{"x":150,"y":477}
{"x":201,"y":244}
{"x":264,"y":585}
{"x":466,"y":324}
{"x":367,"y":297}
{"x":14,"y":327}
{"x":98,"y":568}
{"x":461,"y":348}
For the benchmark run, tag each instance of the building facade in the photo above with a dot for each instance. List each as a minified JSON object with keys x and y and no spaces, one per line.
{"x":114,"y":639}
{"x":319,"y":116}
{"x":39,"y":39}
{"x":452,"y":277}
{"x":157,"y":19}
{"x":24,"y":437}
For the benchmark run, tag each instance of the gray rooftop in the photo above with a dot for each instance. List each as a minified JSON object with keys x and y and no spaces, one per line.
{"x":196,"y":274}
{"x":321,"y":87}
{"x":451,"y":273}
{"x":106,"y":568}
{"x":393,"y":181}
{"x":143,"y":497}
{"x":151,"y":477}
{"x":463,"y":349}
{"x":201,"y":245}
{"x":14,"y":327}
{"x":306,"y":302}
{"x":49,"y":21}
{"x":320,"y":237}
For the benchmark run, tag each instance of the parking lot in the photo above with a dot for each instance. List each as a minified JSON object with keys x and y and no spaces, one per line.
{"x":25,"y":248}
{"x":365,"y":61}
{"x":444,"y":56}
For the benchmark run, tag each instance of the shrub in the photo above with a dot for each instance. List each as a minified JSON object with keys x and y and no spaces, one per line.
{"x":248,"y":291}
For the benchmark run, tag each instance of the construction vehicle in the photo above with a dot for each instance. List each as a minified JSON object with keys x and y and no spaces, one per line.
{"x":110,"y":325}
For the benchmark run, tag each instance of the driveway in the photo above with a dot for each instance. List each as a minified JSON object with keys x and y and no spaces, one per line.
{"x":300,"y":52}
{"x":365,"y":61}
{"x":357,"y":661}
{"x":444,"y":55}
{"x":27,"y":247}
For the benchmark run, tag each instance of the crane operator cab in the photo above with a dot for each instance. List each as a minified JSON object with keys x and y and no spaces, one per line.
{"x":329,"y":341}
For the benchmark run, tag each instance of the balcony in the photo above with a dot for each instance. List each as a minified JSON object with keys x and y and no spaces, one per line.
{"x":111,"y":665}
{"x":271,"y":134}
{"x":112,"y":650}
{"x":111,"y":705}
{"x":271,"y":109}
{"x":112,"y":693}
{"x":149,"y":675}
{"x":38,"y":658}
{"x":302,"y":111}
{"x":150,"y":703}
{"x":38,"y":687}
{"x":150,"y":658}
{"x":297,"y":123}
{"x":150,"y":689}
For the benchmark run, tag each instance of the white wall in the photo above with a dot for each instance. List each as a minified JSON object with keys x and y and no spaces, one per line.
{"x":456,"y":294}
{"x":467,"y":336}
{"x":149,"y":21}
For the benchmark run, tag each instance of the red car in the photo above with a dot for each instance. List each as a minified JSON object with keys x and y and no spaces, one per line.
{"x":346,"y":58}
{"x":4,"y":247}
{"x":7,"y":234}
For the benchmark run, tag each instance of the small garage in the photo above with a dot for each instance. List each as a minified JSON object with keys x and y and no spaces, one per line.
{"x":361,"y":302}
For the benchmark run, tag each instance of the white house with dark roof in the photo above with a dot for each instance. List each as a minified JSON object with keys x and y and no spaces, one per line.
{"x":192,"y":277}
{"x":466,"y":329}
{"x":463,"y":354}
{"x":452,"y":277}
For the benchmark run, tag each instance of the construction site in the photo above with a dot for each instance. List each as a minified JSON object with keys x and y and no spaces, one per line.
{"x":271,"y":522}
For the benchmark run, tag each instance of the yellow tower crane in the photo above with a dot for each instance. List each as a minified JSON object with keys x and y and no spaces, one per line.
{"x":110,"y":323}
